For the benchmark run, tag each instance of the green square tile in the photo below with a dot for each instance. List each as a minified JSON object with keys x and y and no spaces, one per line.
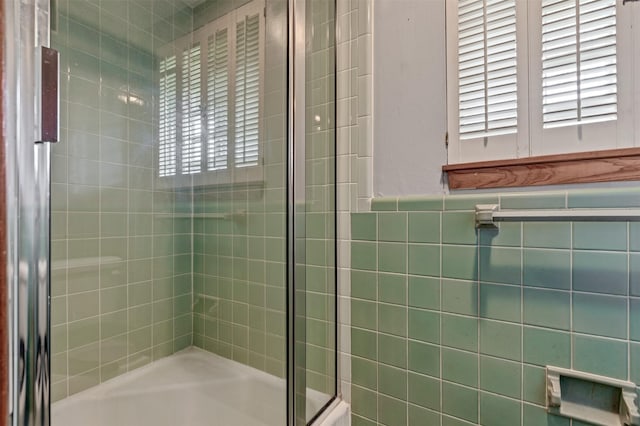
{"x":460,"y":332}
{"x":460,"y":401}
{"x":547,"y":235}
{"x":634,"y":236}
{"x":392,"y":381}
{"x":424,"y":292}
{"x":506,"y":235}
{"x":547,"y":268}
{"x":500,"y":302}
{"x":364,"y":285}
{"x":83,"y":359}
{"x":364,"y":226}
{"x":392,"y":257}
{"x":429,"y":203}
{"x":500,"y":376}
{"x":600,"y":272}
{"x":460,"y":297}
{"x":364,"y":255}
{"x":392,"y":227}
{"x":391,"y":410}
{"x":635,"y":362}
{"x":392,"y":319}
{"x":600,"y":356}
{"x":113,"y":299}
{"x":547,"y":308}
{"x":392,"y":350}
{"x":529,"y":200}
{"x":468,"y":202}
{"x":609,"y":198}
{"x":501,"y":265}
{"x":459,"y":228}
{"x":538,"y":416}
{"x":424,"y":227}
{"x":546,"y":347}
{"x":460,"y":367}
{"x":424,"y":391}
{"x":424,"y":358}
{"x":364,"y":402}
{"x":600,"y":314}
{"x":634,"y":274}
{"x":500,"y":339}
{"x":83,"y":332}
{"x":113,"y":324}
{"x":363,"y":314}
{"x":424,"y":259}
{"x":364,"y":373}
{"x":600,"y":235}
{"x":392,"y":288}
{"x":534,"y":387}
{"x":418,"y":416}
{"x":424,"y":325}
{"x":384,"y":204}
{"x":364,"y":343}
{"x":460,"y":262}
{"x":634,"y":319}
{"x":499,"y":411}
{"x":83,"y":305}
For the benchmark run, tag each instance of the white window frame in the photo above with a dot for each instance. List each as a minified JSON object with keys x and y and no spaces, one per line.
{"x":231,"y":174}
{"x":532,"y":139}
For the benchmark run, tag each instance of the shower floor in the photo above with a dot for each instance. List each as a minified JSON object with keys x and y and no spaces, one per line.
{"x":192,"y":387}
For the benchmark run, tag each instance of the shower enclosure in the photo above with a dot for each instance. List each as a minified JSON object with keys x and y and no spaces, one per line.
{"x":173,"y":255}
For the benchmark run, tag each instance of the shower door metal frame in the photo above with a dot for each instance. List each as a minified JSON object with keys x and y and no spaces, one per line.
{"x":295,"y":185}
{"x":296,"y":223}
{"x":28,"y":213}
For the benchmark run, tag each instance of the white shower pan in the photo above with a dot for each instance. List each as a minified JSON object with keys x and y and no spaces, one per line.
{"x":192,"y":387}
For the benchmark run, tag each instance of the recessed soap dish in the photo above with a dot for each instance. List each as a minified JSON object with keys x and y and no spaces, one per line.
{"x":596,"y":399}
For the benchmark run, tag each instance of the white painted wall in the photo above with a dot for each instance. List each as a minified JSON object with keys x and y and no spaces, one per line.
{"x":409,"y":96}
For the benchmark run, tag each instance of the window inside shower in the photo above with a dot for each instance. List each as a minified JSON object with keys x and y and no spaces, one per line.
{"x":169,"y":268}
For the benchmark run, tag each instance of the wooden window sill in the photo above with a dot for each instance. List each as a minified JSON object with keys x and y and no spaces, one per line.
{"x":584,"y":167}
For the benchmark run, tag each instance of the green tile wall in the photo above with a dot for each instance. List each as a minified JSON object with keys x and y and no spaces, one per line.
{"x":121,"y":270}
{"x":453,"y":326}
{"x":239,"y":262}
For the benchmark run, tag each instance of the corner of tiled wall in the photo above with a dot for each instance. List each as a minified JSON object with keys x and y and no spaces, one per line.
{"x":354,"y":150}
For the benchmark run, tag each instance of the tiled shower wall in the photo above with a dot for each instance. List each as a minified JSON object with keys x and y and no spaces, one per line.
{"x":121,"y":270}
{"x":453,"y":326}
{"x":239,"y":261}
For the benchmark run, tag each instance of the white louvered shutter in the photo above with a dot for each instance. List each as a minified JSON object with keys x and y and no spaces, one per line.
{"x":167,"y":126}
{"x":579,"y":64}
{"x":487,"y":68}
{"x":191,"y":150}
{"x":247,"y":91}
{"x":218,"y":100}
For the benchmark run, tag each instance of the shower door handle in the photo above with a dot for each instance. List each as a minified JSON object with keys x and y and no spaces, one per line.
{"x":49,"y":119}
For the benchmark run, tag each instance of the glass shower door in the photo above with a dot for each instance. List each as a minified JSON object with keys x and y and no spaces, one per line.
{"x":166,"y":274}
{"x":168,"y":217}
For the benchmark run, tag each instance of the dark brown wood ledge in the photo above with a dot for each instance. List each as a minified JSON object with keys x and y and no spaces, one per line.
{"x":583,"y":167}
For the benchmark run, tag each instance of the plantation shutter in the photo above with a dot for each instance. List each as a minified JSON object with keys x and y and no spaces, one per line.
{"x":218,"y":100}
{"x":247,"y":91}
{"x":191,"y":111}
{"x":487,"y":67}
{"x":167,"y":127}
{"x":579,"y":64}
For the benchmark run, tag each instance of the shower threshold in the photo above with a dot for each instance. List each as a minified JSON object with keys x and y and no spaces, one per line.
{"x":192,"y":387}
